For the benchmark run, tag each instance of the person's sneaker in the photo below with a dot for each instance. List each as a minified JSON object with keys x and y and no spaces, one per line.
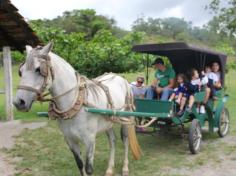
{"x":202,"y":109}
{"x":189,"y":109}
{"x":140,"y":129}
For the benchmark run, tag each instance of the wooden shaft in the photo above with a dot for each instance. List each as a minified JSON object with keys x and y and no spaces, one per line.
{"x":126,"y":113}
{"x":7,"y":64}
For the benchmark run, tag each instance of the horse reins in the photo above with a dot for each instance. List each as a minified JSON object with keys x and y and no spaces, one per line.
{"x":46,"y":71}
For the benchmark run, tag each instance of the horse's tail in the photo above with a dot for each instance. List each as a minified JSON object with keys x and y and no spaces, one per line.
{"x":133,"y":142}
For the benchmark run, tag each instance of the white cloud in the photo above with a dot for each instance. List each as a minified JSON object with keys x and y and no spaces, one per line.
{"x":124,"y":11}
{"x":176,"y":11}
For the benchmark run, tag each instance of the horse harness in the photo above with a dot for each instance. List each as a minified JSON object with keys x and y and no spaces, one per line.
{"x":46,"y":71}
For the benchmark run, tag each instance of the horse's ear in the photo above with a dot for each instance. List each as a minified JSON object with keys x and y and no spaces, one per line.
{"x":46,"y":49}
{"x":28,"y":49}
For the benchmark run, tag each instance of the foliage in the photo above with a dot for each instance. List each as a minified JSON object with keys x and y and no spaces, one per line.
{"x":178,"y":29}
{"x":168,"y":26}
{"x":93,"y":44}
{"x":102,"y":53}
{"x":85,"y":21}
{"x":226,"y":13}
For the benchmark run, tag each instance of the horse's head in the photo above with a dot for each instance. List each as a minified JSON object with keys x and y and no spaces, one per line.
{"x":34,"y":73}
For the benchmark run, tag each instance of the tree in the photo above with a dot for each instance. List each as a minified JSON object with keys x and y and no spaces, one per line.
{"x":226,"y":13}
{"x":170,"y":27}
{"x":84,"y":21}
{"x":173,"y":26}
{"x":104,"y":52}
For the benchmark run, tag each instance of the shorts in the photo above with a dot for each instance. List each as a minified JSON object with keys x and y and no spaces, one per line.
{"x":187,"y":95}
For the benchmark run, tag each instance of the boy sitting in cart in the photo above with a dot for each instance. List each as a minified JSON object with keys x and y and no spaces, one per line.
{"x":164,"y":81}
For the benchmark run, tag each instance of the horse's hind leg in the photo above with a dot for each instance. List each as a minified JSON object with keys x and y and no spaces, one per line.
{"x":124,"y":137}
{"x":112,"y":141}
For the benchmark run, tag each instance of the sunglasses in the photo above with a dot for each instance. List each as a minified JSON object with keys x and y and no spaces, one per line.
{"x":140,"y":82}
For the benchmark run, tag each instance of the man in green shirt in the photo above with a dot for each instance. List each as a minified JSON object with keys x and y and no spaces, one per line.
{"x":164,"y":81}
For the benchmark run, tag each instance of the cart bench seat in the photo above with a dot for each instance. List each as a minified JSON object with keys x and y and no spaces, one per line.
{"x":154,"y":106}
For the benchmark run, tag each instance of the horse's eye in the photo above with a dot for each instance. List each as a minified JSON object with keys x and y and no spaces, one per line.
{"x":37,"y":70}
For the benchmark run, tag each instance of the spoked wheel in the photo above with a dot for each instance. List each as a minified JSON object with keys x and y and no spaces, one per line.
{"x":194,"y":137}
{"x":223,"y":123}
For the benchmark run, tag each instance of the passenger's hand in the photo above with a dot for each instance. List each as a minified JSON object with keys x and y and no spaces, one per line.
{"x":159,"y":90}
{"x":153,"y":86}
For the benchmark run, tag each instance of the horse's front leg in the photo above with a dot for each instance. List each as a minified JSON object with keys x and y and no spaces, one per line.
{"x":124,"y":137}
{"x":90,"y":150}
{"x":75,"y":149}
{"x":112,"y":141}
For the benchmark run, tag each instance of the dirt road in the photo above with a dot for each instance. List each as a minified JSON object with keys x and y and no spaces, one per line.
{"x":7,"y":132}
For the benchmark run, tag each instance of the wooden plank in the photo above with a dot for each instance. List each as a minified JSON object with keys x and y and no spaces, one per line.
{"x":11,"y":41}
{"x":8,"y":23}
{"x":7,"y":64}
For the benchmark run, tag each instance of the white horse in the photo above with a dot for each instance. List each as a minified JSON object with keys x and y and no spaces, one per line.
{"x":44,"y":70}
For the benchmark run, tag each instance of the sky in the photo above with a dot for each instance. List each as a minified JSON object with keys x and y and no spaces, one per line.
{"x":125,"y":12}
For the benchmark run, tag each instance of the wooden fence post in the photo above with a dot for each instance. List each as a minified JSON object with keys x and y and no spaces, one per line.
{"x":7,"y":65}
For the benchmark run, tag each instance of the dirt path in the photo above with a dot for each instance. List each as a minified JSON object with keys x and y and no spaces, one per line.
{"x":224,"y":166}
{"x":7,"y":132}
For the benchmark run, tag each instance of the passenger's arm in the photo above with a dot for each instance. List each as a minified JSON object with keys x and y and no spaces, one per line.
{"x":154,"y":82}
{"x":218,"y":84}
{"x":171,"y":83}
{"x":171,"y":79}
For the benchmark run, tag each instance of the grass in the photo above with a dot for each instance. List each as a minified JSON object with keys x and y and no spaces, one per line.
{"x":44,"y":152}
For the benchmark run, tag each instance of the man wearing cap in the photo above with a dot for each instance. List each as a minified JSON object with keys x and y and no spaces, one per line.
{"x":163,"y":83}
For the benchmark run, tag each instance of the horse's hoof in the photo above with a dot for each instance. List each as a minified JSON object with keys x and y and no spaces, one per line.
{"x":109,"y":174}
{"x":125,"y":173}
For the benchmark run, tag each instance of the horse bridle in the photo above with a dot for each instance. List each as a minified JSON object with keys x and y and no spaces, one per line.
{"x":45,"y":70}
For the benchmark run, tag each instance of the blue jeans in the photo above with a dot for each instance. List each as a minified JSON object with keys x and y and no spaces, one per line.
{"x":151,"y":93}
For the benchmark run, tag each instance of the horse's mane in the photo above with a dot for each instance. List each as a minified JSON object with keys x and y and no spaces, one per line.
{"x":61,"y":60}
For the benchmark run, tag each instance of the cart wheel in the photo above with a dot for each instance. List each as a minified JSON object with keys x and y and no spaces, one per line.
{"x":194,"y":137}
{"x":223,"y":123}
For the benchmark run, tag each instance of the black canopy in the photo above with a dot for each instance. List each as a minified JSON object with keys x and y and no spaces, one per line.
{"x":184,"y":56}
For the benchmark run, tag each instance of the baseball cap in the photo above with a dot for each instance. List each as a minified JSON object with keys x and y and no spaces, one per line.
{"x":158,"y":60}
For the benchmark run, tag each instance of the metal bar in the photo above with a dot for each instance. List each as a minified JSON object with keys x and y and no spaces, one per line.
{"x":42,"y":114}
{"x":126,"y":113}
{"x":117,"y":113}
{"x":147,"y":71}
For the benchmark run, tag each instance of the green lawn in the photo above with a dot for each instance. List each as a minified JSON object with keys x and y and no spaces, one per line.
{"x":44,"y":152}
